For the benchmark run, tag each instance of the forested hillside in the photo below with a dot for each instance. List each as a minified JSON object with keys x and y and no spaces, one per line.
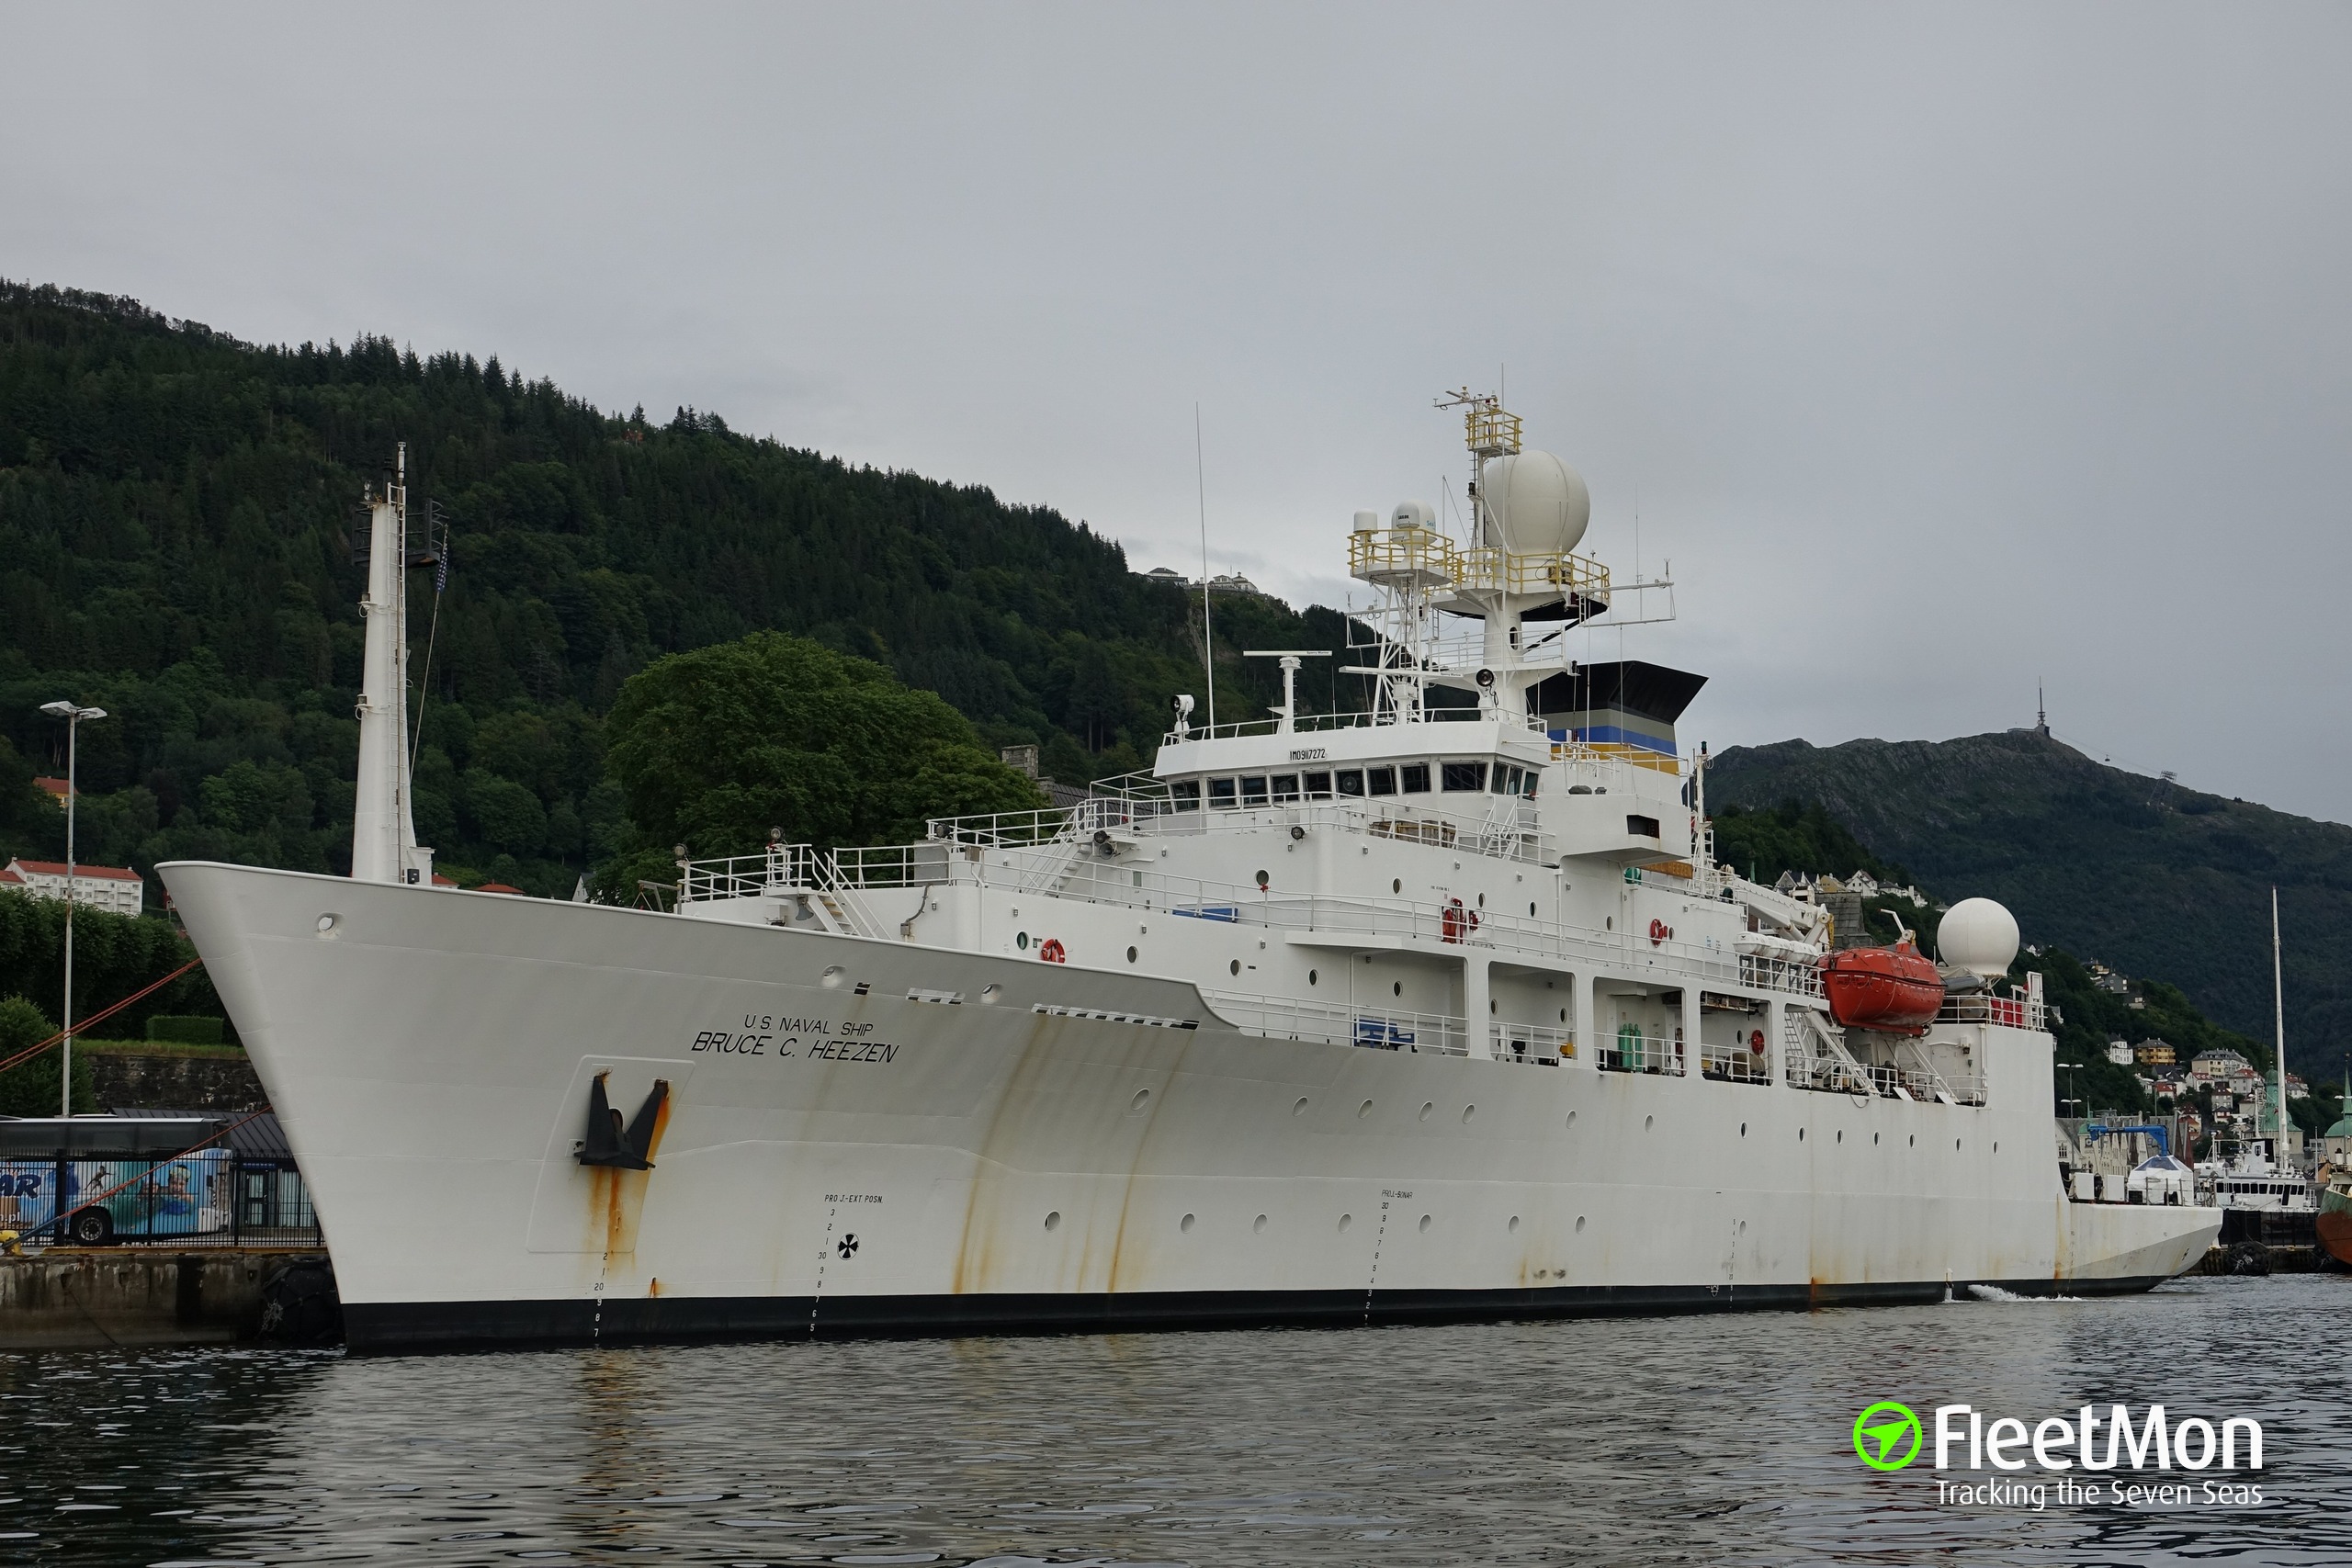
{"x":176,"y":516}
{"x":2141,"y":873}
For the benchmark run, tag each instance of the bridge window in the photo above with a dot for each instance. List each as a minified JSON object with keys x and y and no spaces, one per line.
{"x":1318,"y":785}
{"x":1641,"y":827}
{"x":1465,"y":776}
{"x":1506,"y":780}
{"x":1285,"y":786}
{"x":1221,"y":794}
{"x":1253,"y":791}
{"x":1350,"y":780}
{"x":1382,"y":780}
{"x":1185,"y":793}
{"x":1528,"y":788}
{"x":1417,"y":778}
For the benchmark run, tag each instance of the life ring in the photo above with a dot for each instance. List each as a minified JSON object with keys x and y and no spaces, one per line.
{"x":1659,"y":931}
{"x":1755,"y":1041}
{"x":1051,"y":951}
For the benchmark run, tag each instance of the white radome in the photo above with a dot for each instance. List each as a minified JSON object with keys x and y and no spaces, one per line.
{"x":1536,"y":504}
{"x":1978,"y":935}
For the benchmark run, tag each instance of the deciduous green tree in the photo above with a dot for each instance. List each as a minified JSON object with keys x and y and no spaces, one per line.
{"x":714,"y":748}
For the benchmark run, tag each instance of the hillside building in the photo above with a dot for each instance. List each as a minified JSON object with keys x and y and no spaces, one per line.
{"x":114,"y":888}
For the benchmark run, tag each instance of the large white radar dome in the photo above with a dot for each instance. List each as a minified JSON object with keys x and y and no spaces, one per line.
{"x":1979,"y":936}
{"x":1536,"y":504}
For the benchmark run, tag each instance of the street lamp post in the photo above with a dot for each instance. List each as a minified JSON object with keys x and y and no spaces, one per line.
{"x":2070,"y":1068}
{"x":72,"y":716}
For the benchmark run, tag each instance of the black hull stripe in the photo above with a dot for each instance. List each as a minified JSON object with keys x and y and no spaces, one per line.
{"x":377,"y":1327}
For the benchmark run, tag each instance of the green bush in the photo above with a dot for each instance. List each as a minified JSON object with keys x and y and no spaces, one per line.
{"x":31,"y":1090}
{"x":183,"y":1030}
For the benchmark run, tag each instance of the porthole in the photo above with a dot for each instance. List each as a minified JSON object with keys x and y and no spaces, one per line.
{"x":1743,"y":1129}
{"x":1185,"y":1224}
{"x":1647,"y":1122}
{"x":1142,"y":1099}
{"x":1530,"y":911}
{"x":1841,"y":1135}
{"x":327,"y":924}
{"x":1874,"y":1138}
{"x":1234,"y":967}
{"x":1955,"y":1145}
{"x":1564,"y":1015}
{"x":1914,"y":1140}
{"x":1571,"y":1121}
{"x":1469,"y":1112}
{"x":1800,"y":1134}
{"x":1396,"y":987}
{"x":1021,"y":941}
{"x":831,"y":977}
{"x":1131,"y":955}
{"x":1257,"y":1226}
{"x":1996,"y":1146}
{"x":1396,"y":886}
{"x":1428,"y":1106}
{"x":1310,"y":977}
{"x":1579,"y":1225}
{"x":1425,"y":1222}
{"x":1346,"y":1219}
{"x":1364,"y":1111}
{"x":1482,"y":900}
{"x":1054,"y":1221}
{"x":1263,"y":880}
{"x":1300,"y":1109}
{"x":990,"y":994}
{"x":1514,"y":1225}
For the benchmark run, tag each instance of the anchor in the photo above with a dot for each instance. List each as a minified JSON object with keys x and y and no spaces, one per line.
{"x":607,"y":1142}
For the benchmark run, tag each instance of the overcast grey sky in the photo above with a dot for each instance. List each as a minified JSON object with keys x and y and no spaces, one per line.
{"x":1946,"y":349}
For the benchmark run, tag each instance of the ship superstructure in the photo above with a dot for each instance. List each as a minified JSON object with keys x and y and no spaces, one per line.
{"x":1440,"y":1007}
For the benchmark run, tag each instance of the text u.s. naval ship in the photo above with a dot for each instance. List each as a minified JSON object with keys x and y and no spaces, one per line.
{"x":1438,"y":1010}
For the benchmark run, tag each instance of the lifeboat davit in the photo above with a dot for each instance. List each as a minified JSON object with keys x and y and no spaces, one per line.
{"x":1892,"y":989}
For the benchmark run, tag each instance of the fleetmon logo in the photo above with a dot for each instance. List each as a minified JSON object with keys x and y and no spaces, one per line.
{"x":1880,"y":1431}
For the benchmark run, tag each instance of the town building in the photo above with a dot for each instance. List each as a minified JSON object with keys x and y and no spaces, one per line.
{"x":114,"y":888}
{"x":2218,"y":1064}
{"x":2154,"y":1052}
{"x":2119,"y":1052}
{"x":58,"y":790}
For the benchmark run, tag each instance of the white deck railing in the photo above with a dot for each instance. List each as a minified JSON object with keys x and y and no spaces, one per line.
{"x":1630,"y":1051}
{"x":1377,"y":1029}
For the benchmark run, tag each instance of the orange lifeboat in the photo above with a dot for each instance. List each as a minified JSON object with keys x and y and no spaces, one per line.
{"x":1891,"y":988}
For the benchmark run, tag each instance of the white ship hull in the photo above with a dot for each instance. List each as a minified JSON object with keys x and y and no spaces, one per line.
{"x":832,"y":1161}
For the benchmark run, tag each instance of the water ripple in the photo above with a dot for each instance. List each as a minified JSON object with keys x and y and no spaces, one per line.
{"x":1668,"y":1440}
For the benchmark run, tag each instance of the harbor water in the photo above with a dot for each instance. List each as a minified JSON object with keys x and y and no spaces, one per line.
{"x":1695,"y":1440}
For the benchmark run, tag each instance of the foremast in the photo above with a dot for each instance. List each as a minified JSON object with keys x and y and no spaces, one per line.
{"x":383,"y":827}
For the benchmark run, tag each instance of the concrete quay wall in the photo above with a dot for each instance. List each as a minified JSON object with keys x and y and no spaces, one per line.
{"x":73,"y":1297}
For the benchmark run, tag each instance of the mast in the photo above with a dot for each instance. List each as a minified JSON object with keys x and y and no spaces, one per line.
{"x":383,"y":831}
{"x":2278,"y":1005}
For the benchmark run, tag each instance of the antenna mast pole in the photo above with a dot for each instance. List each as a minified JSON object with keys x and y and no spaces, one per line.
{"x":2279,"y":1004}
{"x":1208,"y":632}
